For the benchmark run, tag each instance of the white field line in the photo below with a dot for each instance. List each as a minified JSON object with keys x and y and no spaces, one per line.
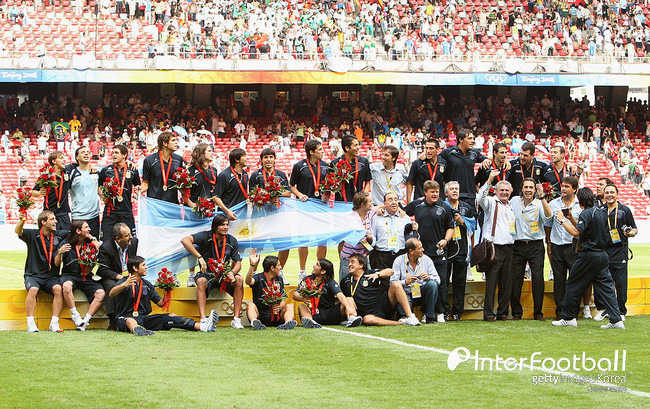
{"x":11,"y":269}
{"x":581,"y":378}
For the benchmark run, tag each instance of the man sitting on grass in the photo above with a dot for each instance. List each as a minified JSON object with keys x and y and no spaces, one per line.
{"x":260,"y":314}
{"x":133,"y":298}
{"x":374,"y":296}
{"x":328,"y":312}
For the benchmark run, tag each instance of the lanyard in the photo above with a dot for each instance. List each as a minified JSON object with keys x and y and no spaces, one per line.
{"x":264,"y":174}
{"x":316,"y":182}
{"x":407,"y":264}
{"x":210,"y":181}
{"x":432,"y":174}
{"x":523,"y":213}
{"x":124,"y":263}
{"x":501,"y":176}
{"x":392,"y":223}
{"x":136,"y":303}
{"x":609,"y":224}
{"x":117,"y":176}
{"x":165,"y":176}
{"x":354,"y":290}
{"x":239,"y":181}
{"x":48,"y":255}
{"x":221,"y":257}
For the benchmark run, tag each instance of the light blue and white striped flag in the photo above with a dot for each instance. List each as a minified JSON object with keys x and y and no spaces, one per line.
{"x":295,"y":224}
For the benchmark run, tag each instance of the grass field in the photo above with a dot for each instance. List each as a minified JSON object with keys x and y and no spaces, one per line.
{"x":10,"y":261}
{"x":314,"y":368}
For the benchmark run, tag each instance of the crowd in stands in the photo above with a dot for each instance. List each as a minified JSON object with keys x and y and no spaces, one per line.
{"x":359,"y":29}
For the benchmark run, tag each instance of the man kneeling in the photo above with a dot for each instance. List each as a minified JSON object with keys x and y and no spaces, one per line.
{"x":268,"y":285}
{"x":133,"y":298}
{"x":373,"y":294}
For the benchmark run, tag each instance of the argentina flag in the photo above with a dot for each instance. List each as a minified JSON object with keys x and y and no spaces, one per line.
{"x":268,"y":229}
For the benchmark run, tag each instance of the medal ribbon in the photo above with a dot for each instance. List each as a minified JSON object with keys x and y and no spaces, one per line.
{"x":239,"y":181}
{"x":221,"y":257}
{"x":316,"y":182}
{"x":210,"y":181}
{"x":165,"y":176}
{"x":432,"y":174}
{"x":501,"y":176}
{"x":136,"y":303}
{"x":264,"y":174}
{"x":120,"y":189}
{"x":356,"y":177}
{"x":532,"y":168}
{"x":315,"y":300}
{"x":557,"y":175}
{"x":48,"y":255}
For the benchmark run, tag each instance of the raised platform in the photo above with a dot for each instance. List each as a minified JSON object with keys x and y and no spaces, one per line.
{"x":12,"y":304}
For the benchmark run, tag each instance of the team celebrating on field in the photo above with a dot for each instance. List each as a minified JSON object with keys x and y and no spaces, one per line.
{"x":422,"y":231}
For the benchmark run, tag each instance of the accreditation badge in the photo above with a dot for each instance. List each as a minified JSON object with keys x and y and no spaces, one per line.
{"x":366,"y":244}
{"x":512,"y":228}
{"x":456,"y":235}
{"x":415,"y":290}
{"x":392,"y":243}
{"x":616,"y":238}
{"x":534,"y":228}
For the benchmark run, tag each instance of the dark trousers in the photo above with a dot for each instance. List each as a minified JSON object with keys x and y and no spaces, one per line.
{"x":618,"y":272}
{"x":109,"y":302}
{"x":63,"y":222}
{"x":442,"y":303}
{"x":383,"y":259}
{"x":499,"y":274}
{"x":94,"y":226}
{"x":531,"y":252}
{"x":562,"y":258}
{"x":111,"y":220}
{"x":457,"y":270}
{"x":590,"y":267}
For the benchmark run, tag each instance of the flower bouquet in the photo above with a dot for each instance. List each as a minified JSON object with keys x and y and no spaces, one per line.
{"x":24,"y":200}
{"x":333,"y":182}
{"x":183,"y":181}
{"x":259,"y":197}
{"x":204,"y":207}
{"x":220,"y":271}
{"x":110,"y":190}
{"x":87,"y":259}
{"x":492,"y":191}
{"x":167,"y":281}
{"x":46,"y":178}
{"x":549,"y":191}
{"x":309,"y":289}
{"x":273,"y":186}
{"x":271,"y":296}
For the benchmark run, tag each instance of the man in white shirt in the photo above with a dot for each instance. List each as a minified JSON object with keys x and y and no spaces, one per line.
{"x":387,"y":176}
{"x":501,"y":271}
{"x":417,"y":274}
{"x":387,"y":230}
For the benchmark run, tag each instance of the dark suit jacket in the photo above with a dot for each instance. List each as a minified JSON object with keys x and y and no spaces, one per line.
{"x":109,"y":259}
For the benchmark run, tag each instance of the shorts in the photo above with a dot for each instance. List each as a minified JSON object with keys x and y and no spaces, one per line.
{"x":155,"y":322}
{"x":88,"y":287}
{"x":330,"y":316}
{"x":212,"y":284}
{"x":266,"y":317}
{"x":383,"y":309}
{"x":42,"y":283}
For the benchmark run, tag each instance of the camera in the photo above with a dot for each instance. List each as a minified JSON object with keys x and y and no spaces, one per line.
{"x":626,"y":229}
{"x":566,"y":211}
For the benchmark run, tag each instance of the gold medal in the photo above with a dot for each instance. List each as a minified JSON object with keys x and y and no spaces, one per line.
{"x":135,"y":313}
{"x":58,"y":205}
{"x":165,"y":188}
{"x":317,"y":193}
{"x":120,"y":198}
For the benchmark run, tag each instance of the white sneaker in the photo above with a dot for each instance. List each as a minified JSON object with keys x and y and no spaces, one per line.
{"x":32,"y":327}
{"x":622,"y":317}
{"x":483,"y":276}
{"x":236,"y":323}
{"x":403,"y":319}
{"x":550,"y":275}
{"x":83,"y":325}
{"x":601,"y":315}
{"x":565,"y":323}
{"x":609,"y":325}
{"x":302,"y":274}
{"x":55,"y":328}
{"x":191,"y":282}
{"x":210,"y":323}
{"x":353,"y":321}
{"x":284,"y":280}
{"x":78,"y":321}
{"x":440,"y":318}
{"x":469,"y":276}
{"x":586,"y":313}
{"x":412,"y":320}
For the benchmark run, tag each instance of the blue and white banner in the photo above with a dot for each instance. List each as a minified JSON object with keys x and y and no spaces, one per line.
{"x":295,"y":224}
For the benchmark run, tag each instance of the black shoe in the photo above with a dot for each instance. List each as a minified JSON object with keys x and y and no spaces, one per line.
{"x":456,"y":317}
{"x":447,"y":316}
{"x":111,"y":326}
{"x":431,"y":320}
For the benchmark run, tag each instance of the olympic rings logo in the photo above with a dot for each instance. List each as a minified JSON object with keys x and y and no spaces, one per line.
{"x":475,"y":302}
{"x":496,"y":79}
